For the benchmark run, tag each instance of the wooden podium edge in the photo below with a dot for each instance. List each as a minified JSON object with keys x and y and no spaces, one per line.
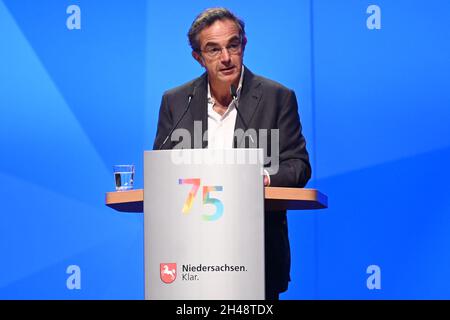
{"x":124,"y":196}
{"x":276,"y":198}
{"x":280,"y":198}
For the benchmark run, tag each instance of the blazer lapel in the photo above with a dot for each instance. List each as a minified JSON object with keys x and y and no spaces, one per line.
{"x":248,"y":102}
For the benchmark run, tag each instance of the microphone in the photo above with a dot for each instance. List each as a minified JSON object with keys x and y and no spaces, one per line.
{"x":190,"y":96}
{"x":233,"y":92}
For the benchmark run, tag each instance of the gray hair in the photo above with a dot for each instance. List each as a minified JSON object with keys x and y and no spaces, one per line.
{"x":207,"y":18}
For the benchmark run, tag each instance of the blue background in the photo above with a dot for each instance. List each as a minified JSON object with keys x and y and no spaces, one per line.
{"x":375,"y":107}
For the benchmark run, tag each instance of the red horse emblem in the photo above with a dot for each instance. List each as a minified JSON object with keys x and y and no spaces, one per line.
{"x":168,"y":272}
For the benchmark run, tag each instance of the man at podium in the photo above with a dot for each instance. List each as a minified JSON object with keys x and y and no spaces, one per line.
{"x":228,"y":97}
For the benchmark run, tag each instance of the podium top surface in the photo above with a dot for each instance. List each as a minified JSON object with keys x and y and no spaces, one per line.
{"x":276,"y":198}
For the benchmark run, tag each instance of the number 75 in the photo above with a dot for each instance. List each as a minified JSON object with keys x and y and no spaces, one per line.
{"x":206,"y":198}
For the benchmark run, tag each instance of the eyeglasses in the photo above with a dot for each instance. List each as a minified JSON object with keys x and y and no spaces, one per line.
{"x":215,"y":51}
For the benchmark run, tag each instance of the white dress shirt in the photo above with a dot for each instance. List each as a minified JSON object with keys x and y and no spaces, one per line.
{"x":221,"y":127}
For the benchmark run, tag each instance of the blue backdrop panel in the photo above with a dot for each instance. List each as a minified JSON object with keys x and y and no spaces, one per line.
{"x":382,"y":148}
{"x":71,"y":105}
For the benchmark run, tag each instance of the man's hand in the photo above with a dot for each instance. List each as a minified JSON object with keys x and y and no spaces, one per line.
{"x":266,"y":180}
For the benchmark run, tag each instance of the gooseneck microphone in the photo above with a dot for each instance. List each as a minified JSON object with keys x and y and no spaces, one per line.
{"x":233,"y":92}
{"x":190,"y":96}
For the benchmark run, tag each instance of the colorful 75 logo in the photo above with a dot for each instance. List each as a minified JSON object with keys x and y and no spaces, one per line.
{"x":206,"y":198}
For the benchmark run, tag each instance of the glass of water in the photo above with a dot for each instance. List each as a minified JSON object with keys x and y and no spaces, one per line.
{"x":124,"y":176}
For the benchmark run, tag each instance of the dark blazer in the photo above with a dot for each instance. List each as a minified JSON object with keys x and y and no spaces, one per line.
{"x":264,"y":104}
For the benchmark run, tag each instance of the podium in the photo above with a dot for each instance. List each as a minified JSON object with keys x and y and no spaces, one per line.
{"x":204,"y":222}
